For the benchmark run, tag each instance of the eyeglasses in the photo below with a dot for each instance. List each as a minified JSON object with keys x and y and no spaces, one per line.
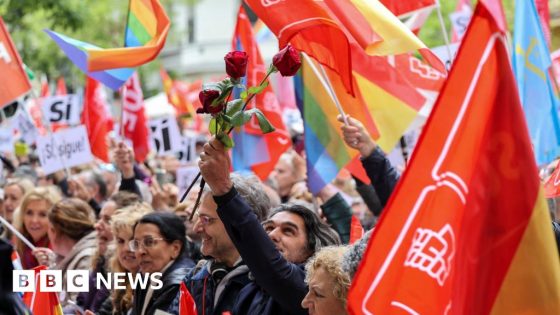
{"x":146,"y":242}
{"x":204,"y":219}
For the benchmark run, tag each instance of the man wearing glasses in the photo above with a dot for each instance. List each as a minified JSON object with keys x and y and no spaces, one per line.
{"x":215,"y":283}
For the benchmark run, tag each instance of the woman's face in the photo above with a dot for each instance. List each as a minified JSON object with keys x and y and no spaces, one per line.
{"x":320,"y":299}
{"x":154,"y":252}
{"x":13,"y":195}
{"x":126,"y":257}
{"x":35,"y":219}
{"x":284,"y":176}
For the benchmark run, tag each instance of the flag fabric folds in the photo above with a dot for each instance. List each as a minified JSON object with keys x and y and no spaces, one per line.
{"x":253,"y":150}
{"x":187,"y":306}
{"x":14,"y":82}
{"x":145,"y":34}
{"x":310,"y":29}
{"x":178,"y":94}
{"x":467,"y":230}
{"x":531,"y":64}
{"x":42,"y":303}
{"x":405,"y":7}
{"x":134,"y":118}
{"x":356,"y":230}
{"x":552,"y":184}
{"x":95,"y":118}
{"x":377,"y":31}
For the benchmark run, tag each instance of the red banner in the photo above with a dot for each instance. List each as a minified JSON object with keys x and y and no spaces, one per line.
{"x":134,"y":118}
{"x":13,"y":82}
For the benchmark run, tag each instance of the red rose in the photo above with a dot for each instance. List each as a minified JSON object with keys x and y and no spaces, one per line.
{"x":287,"y":61}
{"x":236,"y":64}
{"x":207,"y":97}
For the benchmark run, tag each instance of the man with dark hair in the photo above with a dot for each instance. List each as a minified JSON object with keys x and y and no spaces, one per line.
{"x":275,"y":253}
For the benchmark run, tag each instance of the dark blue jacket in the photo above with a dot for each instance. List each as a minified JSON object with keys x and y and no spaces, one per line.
{"x":381,"y":173}
{"x":162,"y":298}
{"x":203,"y":286}
{"x":279,"y":286}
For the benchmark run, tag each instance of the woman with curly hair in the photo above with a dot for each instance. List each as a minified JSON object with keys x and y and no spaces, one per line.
{"x":328,"y":282}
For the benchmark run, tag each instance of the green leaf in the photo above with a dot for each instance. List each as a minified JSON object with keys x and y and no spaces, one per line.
{"x":265,"y":125}
{"x":242,"y":117}
{"x":234,"y":107}
{"x":226,"y":118}
{"x":226,"y":140}
{"x":258,"y":89}
{"x":244,"y":94}
{"x":212,"y":126}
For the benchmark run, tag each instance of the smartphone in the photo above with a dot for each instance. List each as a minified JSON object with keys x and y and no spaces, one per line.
{"x":160,"y":176}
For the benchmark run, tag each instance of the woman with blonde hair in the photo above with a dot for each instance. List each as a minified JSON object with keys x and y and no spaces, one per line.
{"x":328,"y":282}
{"x":72,"y":237}
{"x":14,"y":190}
{"x":31,"y":220}
{"x":123,"y":260}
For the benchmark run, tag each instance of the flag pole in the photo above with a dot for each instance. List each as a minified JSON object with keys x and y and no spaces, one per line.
{"x":444,"y":32}
{"x":17,"y":233}
{"x":121,"y":129}
{"x":327,"y":84}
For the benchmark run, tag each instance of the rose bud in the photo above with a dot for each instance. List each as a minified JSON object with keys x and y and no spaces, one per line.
{"x":236,"y":64}
{"x":207,"y":97}
{"x":287,"y":61}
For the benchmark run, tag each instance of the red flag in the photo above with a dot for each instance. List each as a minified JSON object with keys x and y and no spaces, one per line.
{"x":544,"y":15}
{"x":552,"y":184}
{"x":466,"y":230}
{"x":95,"y":117}
{"x":42,"y":303}
{"x":418,"y":73}
{"x":187,"y":306}
{"x":61,"y":87}
{"x":310,"y":29}
{"x":45,"y":90}
{"x":404,"y":7}
{"x":13,"y":81}
{"x":356,"y":230}
{"x":134,"y":118}
{"x":278,"y":141}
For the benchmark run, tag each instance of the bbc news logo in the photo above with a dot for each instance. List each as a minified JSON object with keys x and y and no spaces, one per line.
{"x":78,"y":280}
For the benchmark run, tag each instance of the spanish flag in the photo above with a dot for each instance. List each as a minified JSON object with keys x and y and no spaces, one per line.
{"x":467,"y":229}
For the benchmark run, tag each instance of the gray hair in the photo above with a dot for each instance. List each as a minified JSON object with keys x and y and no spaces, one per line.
{"x":251,"y":189}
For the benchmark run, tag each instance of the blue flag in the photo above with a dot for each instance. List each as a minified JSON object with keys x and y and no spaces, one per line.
{"x":531,"y":64}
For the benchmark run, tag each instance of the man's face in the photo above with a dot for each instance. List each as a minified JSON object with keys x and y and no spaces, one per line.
{"x":284,"y":177}
{"x":287,"y":231}
{"x":215,"y":240}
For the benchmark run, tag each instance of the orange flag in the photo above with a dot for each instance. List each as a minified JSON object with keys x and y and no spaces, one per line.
{"x":42,"y":303}
{"x":467,"y":230}
{"x":310,"y":29}
{"x":187,"y":306}
{"x":95,"y":117}
{"x":13,"y":79}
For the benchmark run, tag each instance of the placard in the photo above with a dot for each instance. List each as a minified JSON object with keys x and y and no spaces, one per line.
{"x":64,"y":149}
{"x":62,"y":109}
{"x":23,"y":123}
{"x":165,"y":137}
{"x":184,"y":177}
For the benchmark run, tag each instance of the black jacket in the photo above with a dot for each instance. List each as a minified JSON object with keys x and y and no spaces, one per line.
{"x":278,"y":286}
{"x":162,"y":298}
{"x":203,"y":284}
{"x":382,"y":175}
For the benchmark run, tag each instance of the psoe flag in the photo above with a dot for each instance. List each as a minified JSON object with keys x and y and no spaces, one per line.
{"x":467,"y":229}
{"x":531,"y":64}
{"x":13,"y":80}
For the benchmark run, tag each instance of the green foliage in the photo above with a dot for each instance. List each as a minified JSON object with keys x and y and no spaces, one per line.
{"x":431,"y":33}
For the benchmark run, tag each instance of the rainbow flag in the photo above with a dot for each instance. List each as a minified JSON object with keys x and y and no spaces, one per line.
{"x":384,"y":102}
{"x":146,"y":31}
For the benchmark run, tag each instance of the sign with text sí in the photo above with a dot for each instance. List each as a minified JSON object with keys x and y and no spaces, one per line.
{"x":64,"y":109}
{"x":63,"y":149}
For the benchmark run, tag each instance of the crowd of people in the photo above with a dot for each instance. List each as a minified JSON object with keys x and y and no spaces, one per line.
{"x":250,"y":247}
